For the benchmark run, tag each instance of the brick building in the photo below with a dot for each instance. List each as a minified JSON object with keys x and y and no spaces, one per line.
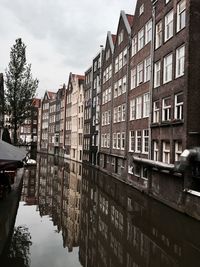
{"x":87,"y":154}
{"x":116,"y":117}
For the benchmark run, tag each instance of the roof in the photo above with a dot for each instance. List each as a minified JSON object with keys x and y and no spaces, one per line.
{"x":130,"y":19}
{"x":114,"y":37}
{"x":51,"y":95}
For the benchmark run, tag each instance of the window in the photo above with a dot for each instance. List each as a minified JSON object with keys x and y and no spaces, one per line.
{"x":145,"y":145}
{"x":180,"y":61}
{"x":158,"y":35}
{"x":178,"y":150}
{"x":138,"y":145}
{"x":120,"y":60}
{"x":169,"y":25}
{"x":166,"y":152}
{"x":132,"y":109}
{"x":116,"y":64}
{"x":123,"y":112}
{"x":157,"y":73}
{"x":133,"y":78}
{"x":120,"y":37}
{"x":181,"y":15}
{"x":139,"y":73}
{"x":144,"y":173}
{"x":124,"y":85}
{"x":138,"y":107}
{"x":146,"y":106}
{"x":115,"y":114}
{"x":109,"y":116}
{"x":134,"y":45}
{"x":148,"y":32}
{"x":116,"y":89}
{"x":119,"y":87}
{"x":119,"y":114}
{"x":122,"y":141}
{"x":107,"y":54}
{"x":141,"y":10}
{"x":125,"y":56}
{"x":178,"y":109}
{"x":114,"y":140}
{"x":155,"y":151}
{"x":147,"y":69}
{"x":156,"y":107}
{"x":131,"y":140}
{"x":118,"y":140}
{"x":140,"y":39}
{"x":166,"y":109}
{"x":167,"y":69}
{"x":108,"y":140}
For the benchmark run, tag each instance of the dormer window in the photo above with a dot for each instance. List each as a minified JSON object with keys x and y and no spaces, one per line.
{"x":141,"y":11}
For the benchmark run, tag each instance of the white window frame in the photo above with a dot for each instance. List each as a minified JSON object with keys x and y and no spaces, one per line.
{"x":157,"y":74}
{"x":166,"y":152}
{"x":122,"y":140}
{"x":141,"y":10}
{"x":145,"y":141}
{"x":180,"y":61}
{"x":166,"y":109}
{"x":178,"y":150}
{"x":115,"y":114}
{"x":124,"y":84}
{"x":133,"y":78}
{"x":116,"y":64}
{"x":148,"y":32}
{"x":138,"y":141}
{"x":181,"y":15}
{"x":118,"y":140}
{"x":155,"y":151}
{"x":146,"y":105}
{"x":141,"y":39}
{"x":119,"y":113}
{"x":140,"y":72}
{"x":132,"y":109}
{"x":134,"y":45}
{"x":131,"y":141}
{"x":147,"y":69}
{"x":167,"y":68}
{"x":114,"y":140}
{"x":178,"y":107}
{"x":138,"y":104}
{"x":123,"y":116}
{"x":159,"y":34}
{"x":169,"y":25}
{"x":156,"y":111}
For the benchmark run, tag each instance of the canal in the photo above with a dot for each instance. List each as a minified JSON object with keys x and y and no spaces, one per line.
{"x":73,"y":215}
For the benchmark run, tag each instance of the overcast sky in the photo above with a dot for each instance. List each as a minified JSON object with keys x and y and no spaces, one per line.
{"x":61,"y":36}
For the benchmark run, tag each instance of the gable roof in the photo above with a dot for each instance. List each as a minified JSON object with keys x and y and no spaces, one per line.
{"x":128,"y":20}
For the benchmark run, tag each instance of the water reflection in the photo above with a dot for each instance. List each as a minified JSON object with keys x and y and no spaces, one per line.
{"x":109,"y":223}
{"x":55,"y":188}
{"x":122,"y":227}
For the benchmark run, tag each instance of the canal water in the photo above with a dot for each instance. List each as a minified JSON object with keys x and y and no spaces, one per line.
{"x":73,"y":215}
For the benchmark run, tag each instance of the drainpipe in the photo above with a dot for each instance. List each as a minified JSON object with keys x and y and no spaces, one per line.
{"x":152,"y":77}
{"x":128,"y":82}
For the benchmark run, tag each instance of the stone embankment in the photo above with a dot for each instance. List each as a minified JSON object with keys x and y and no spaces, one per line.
{"x":8,"y":210}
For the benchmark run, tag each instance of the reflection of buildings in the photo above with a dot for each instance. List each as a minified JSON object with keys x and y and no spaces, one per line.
{"x":58,"y":196}
{"x":1,"y":104}
{"x":122,"y":227}
{"x":28,"y":194}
